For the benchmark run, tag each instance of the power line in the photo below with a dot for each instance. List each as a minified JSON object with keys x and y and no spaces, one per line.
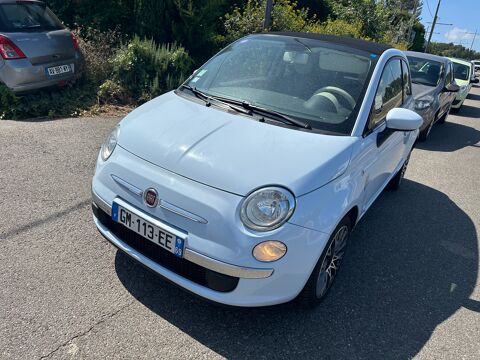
{"x":428,"y":7}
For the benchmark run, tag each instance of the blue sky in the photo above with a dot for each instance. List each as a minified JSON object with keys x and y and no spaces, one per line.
{"x":463,"y":14}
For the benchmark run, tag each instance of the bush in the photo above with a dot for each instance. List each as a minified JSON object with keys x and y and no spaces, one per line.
{"x":8,"y":103}
{"x":98,"y":48}
{"x":341,"y":28}
{"x":145,"y":69}
{"x":286,"y":16}
{"x":111,"y":92}
{"x":70,"y":101}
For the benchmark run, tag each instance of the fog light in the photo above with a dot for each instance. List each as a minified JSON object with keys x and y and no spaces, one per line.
{"x":269,"y":251}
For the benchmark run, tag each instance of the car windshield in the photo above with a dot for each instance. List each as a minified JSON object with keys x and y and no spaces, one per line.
{"x":27,"y":16}
{"x":461,"y":71}
{"x":319,"y":83}
{"x":425,"y":72}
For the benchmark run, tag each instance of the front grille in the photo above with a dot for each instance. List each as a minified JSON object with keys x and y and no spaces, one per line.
{"x":196,"y":273}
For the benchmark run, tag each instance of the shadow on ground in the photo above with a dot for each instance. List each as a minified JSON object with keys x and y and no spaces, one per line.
{"x":411,"y":263}
{"x":472,"y":96}
{"x":469,"y":111}
{"x":458,"y":135}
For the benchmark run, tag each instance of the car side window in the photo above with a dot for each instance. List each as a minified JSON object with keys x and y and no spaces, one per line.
{"x":407,"y":82}
{"x":389,"y":93}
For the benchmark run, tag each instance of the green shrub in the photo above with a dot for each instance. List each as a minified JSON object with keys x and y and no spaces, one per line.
{"x":110,"y":92}
{"x":341,"y":28}
{"x":98,"y":48}
{"x":286,"y":16}
{"x":145,"y":69}
{"x":69,"y":101}
{"x":8,"y":103}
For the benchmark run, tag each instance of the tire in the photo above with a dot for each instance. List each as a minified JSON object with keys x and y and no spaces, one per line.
{"x":394,"y":184}
{"x":443,"y":119}
{"x":455,"y":110}
{"x":324,"y":273}
{"x":425,"y":133}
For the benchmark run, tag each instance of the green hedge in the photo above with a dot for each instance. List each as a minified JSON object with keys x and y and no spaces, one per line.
{"x":143,"y":70}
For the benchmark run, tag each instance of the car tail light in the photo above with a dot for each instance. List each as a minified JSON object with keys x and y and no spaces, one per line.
{"x":74,"y":41}
{"x":8,"y":50}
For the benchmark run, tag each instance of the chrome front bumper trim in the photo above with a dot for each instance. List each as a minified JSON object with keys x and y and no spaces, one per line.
{"x":189,"y":254}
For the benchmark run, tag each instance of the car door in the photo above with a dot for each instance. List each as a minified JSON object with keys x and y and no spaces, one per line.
{"x":447,"y":97}
{"x":383,"y":149}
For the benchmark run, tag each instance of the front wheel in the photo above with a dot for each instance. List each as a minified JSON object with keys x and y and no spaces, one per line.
{"x":394,"y":184}
{"x":444,"y":117}
{"x":324,"y":273}
{"x":425,"y":133}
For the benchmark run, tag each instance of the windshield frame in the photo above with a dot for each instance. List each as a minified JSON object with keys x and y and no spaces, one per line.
{"x":346,"y":127}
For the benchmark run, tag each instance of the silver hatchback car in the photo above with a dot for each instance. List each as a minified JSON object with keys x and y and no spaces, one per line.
{"x":36,"y":50}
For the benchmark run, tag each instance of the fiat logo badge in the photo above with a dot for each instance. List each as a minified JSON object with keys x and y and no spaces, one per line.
{"x":150,"y":197}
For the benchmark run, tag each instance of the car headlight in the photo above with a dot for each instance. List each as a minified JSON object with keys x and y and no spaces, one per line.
{"x":463,"y":88}
{"x":422,"y":104}
{"x":267,"y":209}
{"x":110,"y":143}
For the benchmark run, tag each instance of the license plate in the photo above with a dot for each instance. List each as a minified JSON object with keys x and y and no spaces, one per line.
{"x":58,"y":70}
{"x":148,"y":230}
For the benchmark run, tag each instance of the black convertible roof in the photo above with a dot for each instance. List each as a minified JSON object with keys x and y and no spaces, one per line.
{"x":360,"y":44}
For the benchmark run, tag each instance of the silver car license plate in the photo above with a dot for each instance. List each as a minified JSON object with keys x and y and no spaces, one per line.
{"x":58,"y":70}
{"x":146,"y":229}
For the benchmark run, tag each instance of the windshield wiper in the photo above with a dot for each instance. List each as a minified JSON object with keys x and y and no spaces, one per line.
{"x":247,"y":108}
{"x":270,"y":113}
{"x":208,"y":99}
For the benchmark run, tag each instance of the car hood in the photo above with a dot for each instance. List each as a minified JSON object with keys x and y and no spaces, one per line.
{"x":231,"y":152}
{"x":420,"y":91}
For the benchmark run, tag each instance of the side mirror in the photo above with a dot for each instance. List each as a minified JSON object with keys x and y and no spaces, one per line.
{"x":403,"y":120}
{"x":474,"y":81}
{"x":452,"y":87}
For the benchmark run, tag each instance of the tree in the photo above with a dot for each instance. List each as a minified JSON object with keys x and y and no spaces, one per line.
{"x":286,"y":16}
{"x":418,"y":43}
{"x":452,"y":50}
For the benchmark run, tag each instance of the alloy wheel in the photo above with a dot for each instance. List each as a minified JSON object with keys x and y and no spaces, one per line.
{"x":331,"y":261}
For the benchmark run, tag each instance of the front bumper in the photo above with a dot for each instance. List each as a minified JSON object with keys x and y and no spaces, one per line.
{"x":219,"y":244}
{"x":189,"y":255}
{"x":459,"y":99}
{"x":21,"y":76}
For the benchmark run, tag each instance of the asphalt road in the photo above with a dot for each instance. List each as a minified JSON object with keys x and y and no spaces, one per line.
{"x":409,"y":285}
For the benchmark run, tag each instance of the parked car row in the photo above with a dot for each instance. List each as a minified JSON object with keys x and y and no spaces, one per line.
{"x":440,"y":85}
{"x":243,"y":185}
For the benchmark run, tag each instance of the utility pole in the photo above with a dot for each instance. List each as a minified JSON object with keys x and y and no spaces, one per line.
{"x":474,"y":36}
{"x":433,"y":26}
{"x":268,"y":15}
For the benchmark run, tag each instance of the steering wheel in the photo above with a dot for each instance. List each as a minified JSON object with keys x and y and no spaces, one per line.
{"x":337,"y":91}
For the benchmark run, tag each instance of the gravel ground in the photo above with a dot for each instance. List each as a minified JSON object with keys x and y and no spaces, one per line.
{"x":409,"y":285}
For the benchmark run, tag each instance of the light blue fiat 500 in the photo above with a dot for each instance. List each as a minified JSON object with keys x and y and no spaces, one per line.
{"x":242,"y":186}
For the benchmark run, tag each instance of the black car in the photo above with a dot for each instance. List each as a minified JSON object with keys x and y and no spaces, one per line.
{"x":433,"y":87}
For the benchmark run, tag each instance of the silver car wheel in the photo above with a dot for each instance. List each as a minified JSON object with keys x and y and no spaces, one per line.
{"x":331,"y":261}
